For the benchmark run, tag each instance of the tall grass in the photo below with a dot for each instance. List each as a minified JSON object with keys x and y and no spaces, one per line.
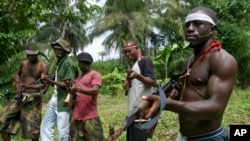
{"x":113,"y":109}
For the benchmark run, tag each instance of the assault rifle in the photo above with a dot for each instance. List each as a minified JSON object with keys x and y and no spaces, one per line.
{"x":43,"y":81}
{"x":18,"y":97}
{"x":16,"y":103}
{"x":70,"y":97}
{"x":129,"y":81}
{"x":171,"y":89}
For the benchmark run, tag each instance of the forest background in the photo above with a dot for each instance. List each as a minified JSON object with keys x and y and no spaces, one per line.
{"x":155,"y":24}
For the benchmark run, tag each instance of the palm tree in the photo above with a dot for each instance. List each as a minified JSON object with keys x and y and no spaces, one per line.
{"x":137,"y":19}
{"x":125,"y":19}
{"x":170,"y":19}
{"x":20,"y":21}
{"x":102,"y":54}
{"x":69,"y":25}
{"x":73,"y":32}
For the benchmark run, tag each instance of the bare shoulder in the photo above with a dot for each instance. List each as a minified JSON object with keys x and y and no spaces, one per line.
{"x":24,"y":63}
{"x":44,"y":66}
{"x":42,"y":63}
{"x":223,"y":62}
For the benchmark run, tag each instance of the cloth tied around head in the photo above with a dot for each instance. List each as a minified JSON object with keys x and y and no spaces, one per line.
{"x":130,"y":46}
{"x":32,"y":49}
{"x":200,"y":17}
{"x":31,"y":52}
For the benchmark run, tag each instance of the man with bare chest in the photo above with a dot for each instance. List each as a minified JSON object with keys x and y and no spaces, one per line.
{"x":208,"y":78}
{"x":25,"y":109}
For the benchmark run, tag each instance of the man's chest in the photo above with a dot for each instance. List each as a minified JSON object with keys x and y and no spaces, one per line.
{"x":199,"y":73}
{"x":32,"y":70}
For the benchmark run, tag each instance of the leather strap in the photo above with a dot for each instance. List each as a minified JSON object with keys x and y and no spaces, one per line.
{"x":153,"y":121}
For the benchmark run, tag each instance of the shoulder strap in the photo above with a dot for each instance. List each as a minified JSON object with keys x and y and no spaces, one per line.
{"x":213,"y":44}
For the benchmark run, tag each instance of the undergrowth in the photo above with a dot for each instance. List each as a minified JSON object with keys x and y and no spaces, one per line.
{"x":113,"y":110}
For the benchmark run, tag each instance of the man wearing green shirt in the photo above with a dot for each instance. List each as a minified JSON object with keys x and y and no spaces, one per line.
{"x":56,"y":113}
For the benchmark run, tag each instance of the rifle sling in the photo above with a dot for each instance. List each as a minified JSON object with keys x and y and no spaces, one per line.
{"x":153,"y":121}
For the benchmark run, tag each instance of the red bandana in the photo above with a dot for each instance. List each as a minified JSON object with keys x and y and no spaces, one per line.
{"x":130,"y":45}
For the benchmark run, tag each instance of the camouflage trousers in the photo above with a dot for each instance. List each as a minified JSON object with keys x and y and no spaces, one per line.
{"x":25,"y":114}
{"x":89,"y":130}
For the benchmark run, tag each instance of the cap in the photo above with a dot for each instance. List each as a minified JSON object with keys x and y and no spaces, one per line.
{"x":84,"y":56}
{"x":63,"y":43}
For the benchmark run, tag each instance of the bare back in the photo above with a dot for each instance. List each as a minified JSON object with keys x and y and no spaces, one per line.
{"x":207,"y":92}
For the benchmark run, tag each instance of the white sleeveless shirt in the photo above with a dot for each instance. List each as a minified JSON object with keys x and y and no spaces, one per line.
{"x":137,"y":90}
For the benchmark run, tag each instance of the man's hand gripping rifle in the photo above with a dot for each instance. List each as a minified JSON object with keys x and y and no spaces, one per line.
{"x":19,"y":96}
{"x":170,"y":90}
{"x":70,"y":97}
{"x":44,"y":81}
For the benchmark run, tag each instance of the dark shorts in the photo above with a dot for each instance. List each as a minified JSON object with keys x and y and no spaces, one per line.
{"x":219,"y":134}
{"x":134,"y":133}
{"x":26,"y":115}
{"x":89,"y":130}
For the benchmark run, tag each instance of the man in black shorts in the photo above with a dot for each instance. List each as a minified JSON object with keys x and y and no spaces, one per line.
{"x":141,"y":80}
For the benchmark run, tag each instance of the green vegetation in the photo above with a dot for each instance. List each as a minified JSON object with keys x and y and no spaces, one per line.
{"x":112,"y":110}
{"x":44,"y":21}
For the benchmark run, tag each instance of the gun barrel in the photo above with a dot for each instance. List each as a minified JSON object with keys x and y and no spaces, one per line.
{"x":46,"y":88}
{"x":130,"y":119}
{"x":166,"y":87}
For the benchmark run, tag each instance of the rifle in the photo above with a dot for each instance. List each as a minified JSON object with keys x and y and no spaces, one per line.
{"x":70,"y":97}
{"x":18,"y":97}
{"x":171,"y":90}
{"x":129,"y":81}
{"x":43,"y":81}
{"x":16,"y":103}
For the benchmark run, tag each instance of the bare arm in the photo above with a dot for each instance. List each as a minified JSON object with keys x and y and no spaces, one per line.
{"x":220,"y":84}
{"x":219,"y":88}
{"x":17,"y":77}
{"x":44,"y":73}
{"x":145,"y":80}
{"x":88,"y":91}
{"x":60,"y":84}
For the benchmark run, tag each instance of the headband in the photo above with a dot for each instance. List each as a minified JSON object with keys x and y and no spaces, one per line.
{"x":129,"y":46}
{"x":199,"y":16}
{"x":32,"y":52}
